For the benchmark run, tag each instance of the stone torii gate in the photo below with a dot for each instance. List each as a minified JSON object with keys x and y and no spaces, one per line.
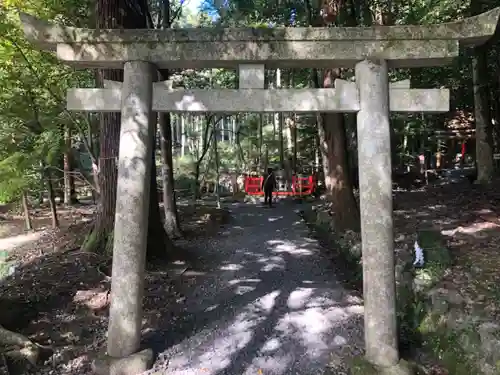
{"x":370,"y":50}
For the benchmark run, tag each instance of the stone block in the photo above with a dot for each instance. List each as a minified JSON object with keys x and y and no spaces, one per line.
{"x":251,"y":76}
{"x":402,"y":45}
{"x":489,"y":334}
{"x":223,"y":100}
{"x":289,"y":53}
{"x":451,"y":296}
{"x":323,"y":219}
{"x":419,"y":100}
{"x":134,"y":364}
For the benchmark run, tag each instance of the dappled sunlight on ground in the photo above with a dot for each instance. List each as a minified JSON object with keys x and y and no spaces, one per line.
{"x":469,"y":218}
{"x":10,"y":243}
{"x":271,"y":305}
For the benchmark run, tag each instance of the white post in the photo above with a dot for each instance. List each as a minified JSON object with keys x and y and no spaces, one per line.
{"x":132,"y":209}
{"x":375,"y":185}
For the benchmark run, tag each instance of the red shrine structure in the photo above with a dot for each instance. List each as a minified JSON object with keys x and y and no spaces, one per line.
{"x":301,"y":186}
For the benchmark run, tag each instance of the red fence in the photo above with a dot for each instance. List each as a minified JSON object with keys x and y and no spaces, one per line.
{"x":300,"y":186}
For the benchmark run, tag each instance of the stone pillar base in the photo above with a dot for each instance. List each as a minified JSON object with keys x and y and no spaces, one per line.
{"x":360,"y":366}
{"x":134,"y":364}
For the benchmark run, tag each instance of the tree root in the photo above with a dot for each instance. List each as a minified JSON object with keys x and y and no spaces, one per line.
{"x":18,"y":347}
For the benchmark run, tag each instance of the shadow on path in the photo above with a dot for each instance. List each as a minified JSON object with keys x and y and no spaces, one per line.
{"x":268,"y":303}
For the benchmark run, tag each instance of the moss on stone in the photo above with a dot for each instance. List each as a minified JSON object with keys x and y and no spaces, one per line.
{"x":419,"y":325}
{"x":449,"y":346}
{"x":360,"y":366}
{"x":346,"y":259}
{"x":109,"y":243}
{"x":96,"y":240}
{"x":90,"y":242}
{"x":435,"y":250}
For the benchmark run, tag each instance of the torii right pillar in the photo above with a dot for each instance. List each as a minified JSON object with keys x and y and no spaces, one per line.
{"x":375,"y":186}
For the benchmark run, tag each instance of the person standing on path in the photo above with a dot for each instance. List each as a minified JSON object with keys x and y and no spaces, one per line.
{"x":268,"y":185}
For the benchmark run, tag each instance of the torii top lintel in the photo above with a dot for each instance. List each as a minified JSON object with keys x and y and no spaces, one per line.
{"x":402,"y":46}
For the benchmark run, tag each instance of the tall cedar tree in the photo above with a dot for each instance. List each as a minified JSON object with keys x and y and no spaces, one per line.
{"x":121,"y":14}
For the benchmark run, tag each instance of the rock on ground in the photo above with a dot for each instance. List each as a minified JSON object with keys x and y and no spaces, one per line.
{"x":267,"y":303}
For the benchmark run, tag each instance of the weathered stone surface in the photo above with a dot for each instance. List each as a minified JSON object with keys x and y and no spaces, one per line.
{"x":289,"y":54}
{"x":251,"y":76}
{"x":351,"y":241}
{"x":344,"y":99}
{"x":134,"y":364}
{"x":451,"y":296}
{"x":132,"y":208}
{"x":473,"y":30}
{"x":402,"y":46}
{"x":375,"y":186}
{"x":323,"y":217}
{"x":94,"y":299}
{"x":489,"y":334}
{"x":226,"y":100}
{"x":403,"y":84}
{"x":419,"y":100}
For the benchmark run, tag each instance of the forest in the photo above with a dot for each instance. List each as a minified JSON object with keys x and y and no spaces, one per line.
{"x":209,"y":243}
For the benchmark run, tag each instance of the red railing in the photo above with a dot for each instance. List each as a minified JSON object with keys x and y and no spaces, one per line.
{"x":300,"y":186}
{"x":253,"y":185}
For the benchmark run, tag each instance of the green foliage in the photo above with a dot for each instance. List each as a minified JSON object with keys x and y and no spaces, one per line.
{"x":436,"y":254}
{"x":32,"y":105}
{"x":448,"y":346}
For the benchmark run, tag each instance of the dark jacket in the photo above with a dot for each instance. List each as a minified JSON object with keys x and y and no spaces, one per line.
{"x":269,"y":182}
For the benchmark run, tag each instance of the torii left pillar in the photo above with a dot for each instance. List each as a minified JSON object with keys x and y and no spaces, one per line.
{"x":131,"y":220}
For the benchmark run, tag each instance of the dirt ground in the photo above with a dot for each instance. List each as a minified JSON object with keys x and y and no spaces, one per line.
{"x":469,"y":216}
{"x":58,"y":295}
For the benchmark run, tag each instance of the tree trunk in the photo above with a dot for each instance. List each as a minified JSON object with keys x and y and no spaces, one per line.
{"x":205,"y":146}
{"x":260,"y":141}
{"x":294,"y":143}
{"x":27,"y":218}
{"x":281,"y":140}
{"x":332,"y":136}
{"x":69,"y":189}
{"x":172,"y":225}
{"x":196,"y":183}
{"x":216,"y":157}
{"x":52,"y":197}
{"x":484,"y":149}
{"x":317,"y":153}
{"x":67,"y":166}
{"x":280,"y":124}
{"x":183,"y":134}
{"x":18,"y":347}
{"x":289,"y":138}
{"x":110,"y":14}
{"x":114,"y":14}
{"x":41,"y":182}
{"x":266,"y":158}
{"x":241,"y":153}
{"x":333,"y":147}
{"x":160,"y":246}
{"x":94,"y":145}
{"x":101,"y":237}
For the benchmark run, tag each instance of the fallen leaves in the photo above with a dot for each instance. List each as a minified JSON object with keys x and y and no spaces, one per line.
{"x":59,"y":296}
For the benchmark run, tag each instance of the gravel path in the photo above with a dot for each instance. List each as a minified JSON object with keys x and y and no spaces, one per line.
{"x":267,"y":303}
